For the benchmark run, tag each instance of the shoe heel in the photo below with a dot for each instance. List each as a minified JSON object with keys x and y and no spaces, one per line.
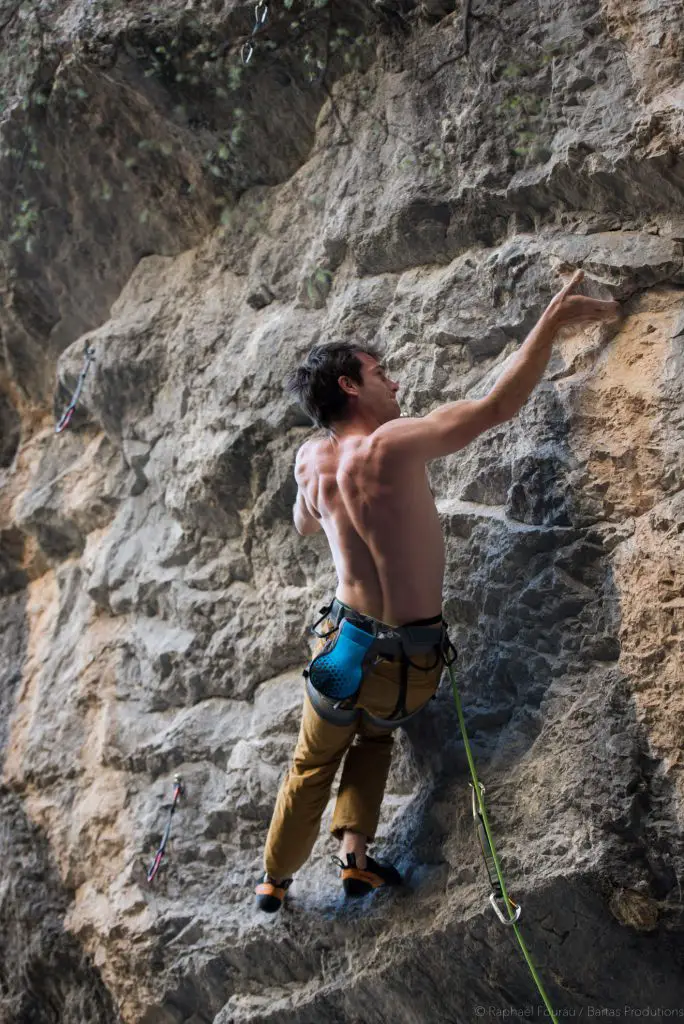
{"x":269,"y":896}
{"x":355,"y":887}
{"x":270,"y":904}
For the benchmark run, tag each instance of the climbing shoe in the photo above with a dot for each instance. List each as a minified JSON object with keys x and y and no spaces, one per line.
{"x":269,"y":896}
{"x":357,"y":882}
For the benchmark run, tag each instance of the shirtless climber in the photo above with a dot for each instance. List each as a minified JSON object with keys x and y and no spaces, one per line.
{"x":365,"y":484}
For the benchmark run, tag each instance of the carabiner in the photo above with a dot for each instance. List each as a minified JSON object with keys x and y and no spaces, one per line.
{"x":507,"y":921}
{"x":476,"y":806}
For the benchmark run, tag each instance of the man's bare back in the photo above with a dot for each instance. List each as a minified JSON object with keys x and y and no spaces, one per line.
{"x":382,"y":526}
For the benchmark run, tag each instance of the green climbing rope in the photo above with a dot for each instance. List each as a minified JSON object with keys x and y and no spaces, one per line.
{"x":513,"y":915}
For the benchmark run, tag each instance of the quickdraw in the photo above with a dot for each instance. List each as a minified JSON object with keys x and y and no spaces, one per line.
{"x":261,"y":14}
{"x":496,"y":895}
{"x":499,"y":893}
{"x":261,"y":17}
{"x":178,"y":791}
{"x":64,"y":422}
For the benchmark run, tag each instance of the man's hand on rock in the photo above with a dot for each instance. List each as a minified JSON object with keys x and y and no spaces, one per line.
{"x":566,"y":309}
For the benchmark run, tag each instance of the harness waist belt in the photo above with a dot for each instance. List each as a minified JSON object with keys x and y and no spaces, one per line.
{"x":416,"y":637}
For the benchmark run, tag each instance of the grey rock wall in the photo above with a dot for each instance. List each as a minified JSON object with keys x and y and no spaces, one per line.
{"x":375,"y":173}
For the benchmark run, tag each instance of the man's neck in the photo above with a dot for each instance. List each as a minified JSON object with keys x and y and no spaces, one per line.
{"x":353,"y":428}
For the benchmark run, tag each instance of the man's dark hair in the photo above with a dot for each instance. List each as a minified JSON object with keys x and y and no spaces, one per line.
{"x":314,"y":384}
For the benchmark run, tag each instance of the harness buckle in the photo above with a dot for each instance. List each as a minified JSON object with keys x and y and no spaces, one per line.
{"x":325,"y":613}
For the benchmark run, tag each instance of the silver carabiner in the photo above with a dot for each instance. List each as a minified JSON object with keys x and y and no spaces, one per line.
{"x":476,"y":806}
{"x":507,"y":921}
{"x":261,"y":13}
{"x":247,"y":51}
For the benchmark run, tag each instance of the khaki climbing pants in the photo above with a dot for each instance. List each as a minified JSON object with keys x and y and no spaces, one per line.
{"x":320,"y":748}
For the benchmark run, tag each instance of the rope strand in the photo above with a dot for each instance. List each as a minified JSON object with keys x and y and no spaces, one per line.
{"x":508,"y":902}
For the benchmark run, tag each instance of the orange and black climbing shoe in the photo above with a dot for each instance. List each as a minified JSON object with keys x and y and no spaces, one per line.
{"x":269,"y":896}
{"x":359,"y":882}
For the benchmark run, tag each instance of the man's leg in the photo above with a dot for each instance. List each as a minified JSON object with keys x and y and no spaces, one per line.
{"x":358,"y":808}
{"x":304,"y":793}
{"x":356,"y":843}
{"x":367,"y":763}
{"x":362,"y":787}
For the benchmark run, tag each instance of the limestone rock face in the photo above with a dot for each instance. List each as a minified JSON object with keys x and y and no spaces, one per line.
{"x":381,"y":172}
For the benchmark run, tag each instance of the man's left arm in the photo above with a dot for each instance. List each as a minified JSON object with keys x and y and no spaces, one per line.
{"x":304,"y":519}
{"x":305,"y":522}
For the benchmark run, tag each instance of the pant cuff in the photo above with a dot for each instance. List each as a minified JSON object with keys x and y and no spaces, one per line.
{"x":338,"y":831}
{"x":278,"y":874}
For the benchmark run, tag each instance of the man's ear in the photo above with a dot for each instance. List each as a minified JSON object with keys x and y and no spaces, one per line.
{"x":349,"y":386}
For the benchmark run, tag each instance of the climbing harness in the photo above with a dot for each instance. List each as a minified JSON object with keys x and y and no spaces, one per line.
{"x":492,"y":863}
{"x":353,"y":646}
{"x":261,"y":17}
{"x":89,"y":356}
{"x":156,"y":863}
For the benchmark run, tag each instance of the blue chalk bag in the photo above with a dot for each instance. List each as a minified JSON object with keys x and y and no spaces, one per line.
{"x":337,"y":672}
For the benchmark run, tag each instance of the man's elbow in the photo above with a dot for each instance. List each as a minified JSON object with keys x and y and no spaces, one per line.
{"x":306,"y":525}
{"x":310,"y":528}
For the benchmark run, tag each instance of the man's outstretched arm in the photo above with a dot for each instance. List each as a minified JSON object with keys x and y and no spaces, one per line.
{"x":452,"y":426}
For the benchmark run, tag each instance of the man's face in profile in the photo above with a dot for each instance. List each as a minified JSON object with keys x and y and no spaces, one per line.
{"x":378,"y":393}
